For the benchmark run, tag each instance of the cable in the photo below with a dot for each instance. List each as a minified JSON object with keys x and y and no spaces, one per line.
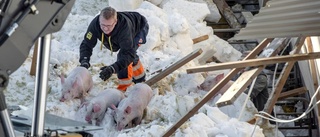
{"x":310,"y":107}
{"x":273,"y":80}
{"x":247,"y":98}
{"x":277,"y":124}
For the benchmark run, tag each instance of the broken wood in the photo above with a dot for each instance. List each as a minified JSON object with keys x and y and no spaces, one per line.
{"x":34,"y":59}
{"x":252,"y":121}
{"x":215,"y":89}
{"x":238,"y":86}
{"x":174,"y":67}
{"x":247,"y":77}
{"x":199,"y":39}
{"x":293,"y":92}
{"x":227,"y":13}
{"x":312,"y":65}
{"x":255,"y":62}
{"x":273,"y":97}
{"x":313,"y":71}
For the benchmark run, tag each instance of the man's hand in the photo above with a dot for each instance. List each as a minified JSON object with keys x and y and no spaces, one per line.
{"x":85,"y":63}
{"x":106,"y":72}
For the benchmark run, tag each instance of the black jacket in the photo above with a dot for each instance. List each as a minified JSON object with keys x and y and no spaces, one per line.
{"x":129,"y":24}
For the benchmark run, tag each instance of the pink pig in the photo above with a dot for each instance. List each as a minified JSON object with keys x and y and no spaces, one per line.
{"x":76,"y":85}
{"x":131,"y":108}
{"x":97,"y":106}
{"x":211,"y":81}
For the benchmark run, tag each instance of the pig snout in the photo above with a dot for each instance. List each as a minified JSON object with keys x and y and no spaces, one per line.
{"x":205,"y":86}
{"x":120,"y":127}
{"x":66,"y":96}
{"x":88,"y":118}
{"x":62,"y":99}
{"x":201,"y":87}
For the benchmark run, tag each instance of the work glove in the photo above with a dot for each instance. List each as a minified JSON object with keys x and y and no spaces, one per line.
{"x":85,"y":63}
{"x":106,"y":72}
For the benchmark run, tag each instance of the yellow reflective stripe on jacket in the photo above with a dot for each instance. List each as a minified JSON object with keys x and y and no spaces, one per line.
{"x":136,"y":67}
{"x":125,"y":81}
{"x":139,"y":76}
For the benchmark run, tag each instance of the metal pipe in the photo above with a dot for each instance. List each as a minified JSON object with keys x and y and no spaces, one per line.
{"x":40,"y":95}
{"x":6,"y":123}
{"x":6,"y":127}
{"x":225,"y":30}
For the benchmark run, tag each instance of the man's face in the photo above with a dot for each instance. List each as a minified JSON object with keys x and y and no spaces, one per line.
{"x":107,"y":25}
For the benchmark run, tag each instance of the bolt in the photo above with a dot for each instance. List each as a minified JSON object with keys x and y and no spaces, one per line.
{"x":9,"y":71}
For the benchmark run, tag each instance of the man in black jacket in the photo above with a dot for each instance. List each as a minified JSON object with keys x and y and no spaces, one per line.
{"x":118,"y":31}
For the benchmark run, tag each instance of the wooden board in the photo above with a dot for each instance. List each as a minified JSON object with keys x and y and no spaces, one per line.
{"x":215,"y":89}
{"x":34,"y":59}
{"x":199,"y":39}
{"x":255,"y":62}
{"x":227,"y":13}
{"x":293,"y":92}
{"x":273,"y":97}
{"x":174,"y":67}
{"x":241,"y":83}
{"x":238,"y":86}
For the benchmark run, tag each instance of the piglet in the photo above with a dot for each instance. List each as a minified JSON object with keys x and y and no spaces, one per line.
{"x":76,"y":85}
{"x":211,"y":81}
{"x":98,"y":105}
{"x":131,"y":108}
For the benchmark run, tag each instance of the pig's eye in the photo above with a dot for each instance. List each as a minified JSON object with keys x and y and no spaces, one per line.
{"x":68,"y":91}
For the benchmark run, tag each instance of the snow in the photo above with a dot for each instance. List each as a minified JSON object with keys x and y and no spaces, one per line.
{"x":173,"y":25}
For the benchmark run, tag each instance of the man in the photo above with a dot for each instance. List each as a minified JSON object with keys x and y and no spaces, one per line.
{"x":117,"y":31}
{"x":260,"y":94}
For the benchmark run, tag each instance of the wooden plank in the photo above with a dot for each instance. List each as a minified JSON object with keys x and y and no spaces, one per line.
{"x":293,"y":92}
{"x":227,"y":13}
{"x":255,"y":62}
{"x":174,"y":67}
{"x":238,"y":86}
{"x":312,"y":65}
{"x":34,"y":59}
{"x":199,"y":39}
{"x":215,"y":89}
{"x":273,"y":97}
{"x":246,"y":78}
{"x":313,"y":71}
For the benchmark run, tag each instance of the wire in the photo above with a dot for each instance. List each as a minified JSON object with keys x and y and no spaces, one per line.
{"x":247,"y":98}
{"x":310,"y":107}
{"x":273,"y":83}
{"x":273,"y":80}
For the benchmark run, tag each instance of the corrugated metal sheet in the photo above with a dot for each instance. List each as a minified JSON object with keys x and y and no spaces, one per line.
{"x":284,"y":18}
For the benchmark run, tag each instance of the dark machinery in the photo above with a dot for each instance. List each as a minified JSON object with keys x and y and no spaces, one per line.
{"x":22,"y":22}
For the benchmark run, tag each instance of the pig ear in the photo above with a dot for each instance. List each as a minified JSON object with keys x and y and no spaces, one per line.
{"x":128,"y":110}
{"x":96,"y":107}
{"x":62,"y":78}
{"x":113,"y":107}
{"x":84,"y":104}
{"x":219,"y":77}
{"x":75,"y":83}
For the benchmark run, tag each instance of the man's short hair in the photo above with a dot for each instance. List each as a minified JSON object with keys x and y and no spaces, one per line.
{"x":108,"y":13}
